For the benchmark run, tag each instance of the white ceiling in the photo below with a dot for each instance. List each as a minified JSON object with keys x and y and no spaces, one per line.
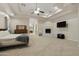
{"x":27,"y":9}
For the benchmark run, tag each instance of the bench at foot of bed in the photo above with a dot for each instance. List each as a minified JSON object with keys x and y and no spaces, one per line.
{"x":23,"y":38}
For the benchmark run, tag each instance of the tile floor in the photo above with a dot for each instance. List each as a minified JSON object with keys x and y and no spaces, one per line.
{"x":45,"y":46}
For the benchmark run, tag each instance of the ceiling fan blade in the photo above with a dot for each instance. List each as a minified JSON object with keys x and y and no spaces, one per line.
{"x":42,"y":11}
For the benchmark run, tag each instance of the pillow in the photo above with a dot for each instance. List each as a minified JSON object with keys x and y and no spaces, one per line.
{"x":4,"y":33}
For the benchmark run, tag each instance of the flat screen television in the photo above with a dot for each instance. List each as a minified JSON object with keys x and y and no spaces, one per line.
{"x":61,"y":24}
{"x":47,"y":30}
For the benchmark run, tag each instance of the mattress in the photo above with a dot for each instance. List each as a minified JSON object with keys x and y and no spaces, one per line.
{"x":4,"y":35}
{"x":10,"y":36}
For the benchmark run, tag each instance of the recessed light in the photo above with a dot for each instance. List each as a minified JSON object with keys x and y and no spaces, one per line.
{"x":58,"y":11}
{"x":36,"y":12}
{"x":56,"y":8}
{"x":38,"y":9}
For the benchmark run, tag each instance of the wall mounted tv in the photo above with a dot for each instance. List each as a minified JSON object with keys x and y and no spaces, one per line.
{"x":47,"y":30}
{"x":61,"y":24}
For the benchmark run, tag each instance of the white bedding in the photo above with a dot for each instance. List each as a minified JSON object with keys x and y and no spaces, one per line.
{"x":6,"y":35}
{"x":10,"y":36}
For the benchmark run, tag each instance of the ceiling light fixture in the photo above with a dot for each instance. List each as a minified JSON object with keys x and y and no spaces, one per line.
{"x":37,"y":10}
{"x":56,"y":8}
{"x":3,"y":13}
{"x":58,"y":11}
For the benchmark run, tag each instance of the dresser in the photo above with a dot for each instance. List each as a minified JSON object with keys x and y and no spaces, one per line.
{"x":21,"y":29}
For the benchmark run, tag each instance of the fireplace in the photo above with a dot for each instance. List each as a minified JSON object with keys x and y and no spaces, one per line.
{"x":48,"y":31}
{"x":61,"y":36}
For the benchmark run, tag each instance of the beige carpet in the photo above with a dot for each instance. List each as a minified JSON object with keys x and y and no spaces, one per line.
{"x":45,"y":46}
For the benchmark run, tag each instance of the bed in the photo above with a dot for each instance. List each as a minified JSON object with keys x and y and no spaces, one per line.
{"x":5,"y":36}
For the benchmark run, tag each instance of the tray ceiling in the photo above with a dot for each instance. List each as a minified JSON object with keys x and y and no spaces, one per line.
{"x":27,"y":9}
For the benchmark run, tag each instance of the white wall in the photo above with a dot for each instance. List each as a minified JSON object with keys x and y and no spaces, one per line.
{"x":18,"y":21}
{"x":72,"y":31}
{"x":47,"y":25}
{"x":33,"y":25}
{"x":2,"y":22}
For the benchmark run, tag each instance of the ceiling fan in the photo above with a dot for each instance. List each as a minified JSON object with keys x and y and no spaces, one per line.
{"x":37,"y":11}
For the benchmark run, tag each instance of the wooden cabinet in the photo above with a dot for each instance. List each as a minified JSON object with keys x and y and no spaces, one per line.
{"x":21,"y":29}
